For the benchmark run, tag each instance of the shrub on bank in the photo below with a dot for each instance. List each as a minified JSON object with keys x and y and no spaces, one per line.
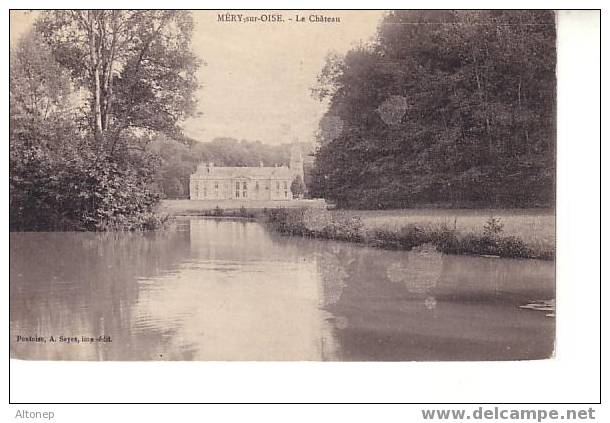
{"x":342,"y":227}
{"x":142,"y":222}
{"x":316,"y":224}
{"x":484,"y":244}
{"x":404,"y":238}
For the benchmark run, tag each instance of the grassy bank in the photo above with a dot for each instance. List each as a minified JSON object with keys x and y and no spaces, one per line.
{"x":535,"y":227}
{"x":488,"y":236}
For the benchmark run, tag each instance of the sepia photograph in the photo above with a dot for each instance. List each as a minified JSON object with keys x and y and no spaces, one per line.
{"x":332,"y":185}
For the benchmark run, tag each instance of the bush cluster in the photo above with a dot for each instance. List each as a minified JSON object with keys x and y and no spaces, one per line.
{"x":316,"y":224}
{"x":78,"y":190}
{"x":482,"y":244}
{"x":404,"y":238}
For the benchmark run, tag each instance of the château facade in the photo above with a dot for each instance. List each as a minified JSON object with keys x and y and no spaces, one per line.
{"x":211,"y":182}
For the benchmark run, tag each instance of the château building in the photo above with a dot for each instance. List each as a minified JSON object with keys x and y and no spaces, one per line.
{"x":211,"y":182}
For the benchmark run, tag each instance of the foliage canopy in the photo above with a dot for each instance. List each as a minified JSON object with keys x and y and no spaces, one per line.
{"x":449,"y":108}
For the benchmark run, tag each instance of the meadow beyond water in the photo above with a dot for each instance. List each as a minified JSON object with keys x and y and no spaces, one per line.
{"x":536,"y":227}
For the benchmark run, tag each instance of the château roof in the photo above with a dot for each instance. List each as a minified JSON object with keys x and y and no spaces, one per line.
{"x":215,"y":172}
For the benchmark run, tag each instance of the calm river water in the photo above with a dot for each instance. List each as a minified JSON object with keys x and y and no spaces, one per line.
{"x":231,"y":290}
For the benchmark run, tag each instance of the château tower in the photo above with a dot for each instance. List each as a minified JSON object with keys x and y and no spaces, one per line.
{"x":296,"y":162}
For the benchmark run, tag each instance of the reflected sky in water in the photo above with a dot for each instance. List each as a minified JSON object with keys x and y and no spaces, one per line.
{"x":231,"y":290}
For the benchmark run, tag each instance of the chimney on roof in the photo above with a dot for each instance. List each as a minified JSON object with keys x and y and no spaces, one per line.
{"x":260,"y":164}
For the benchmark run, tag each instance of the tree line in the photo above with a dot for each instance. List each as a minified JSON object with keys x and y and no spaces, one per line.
{"x":180,"y":159}
{"x":443,"y":108}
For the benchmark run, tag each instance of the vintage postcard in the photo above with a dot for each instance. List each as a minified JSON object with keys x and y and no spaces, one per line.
{"x":215,"y":185}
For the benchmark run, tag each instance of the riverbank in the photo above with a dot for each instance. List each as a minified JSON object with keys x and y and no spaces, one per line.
{"x":234,"y":208}
{"x":229,"y":207}
{"x":490,"y":236}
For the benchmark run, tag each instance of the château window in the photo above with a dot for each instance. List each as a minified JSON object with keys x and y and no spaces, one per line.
{"x":277,"y":187}
{"x":236,"y":189}
{"x":285,"y":189}
{"x":244,"y":189}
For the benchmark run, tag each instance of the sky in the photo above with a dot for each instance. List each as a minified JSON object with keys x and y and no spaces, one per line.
{"x":258,"y":75}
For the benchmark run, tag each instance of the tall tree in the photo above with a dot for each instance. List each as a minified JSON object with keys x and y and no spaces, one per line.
{"x":40,"y":93}
{"x":41,"y":134}
{"x":125,"y":77}
{"x":135,"y":66}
